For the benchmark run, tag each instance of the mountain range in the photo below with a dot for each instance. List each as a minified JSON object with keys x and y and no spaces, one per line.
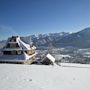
{"x":80,"y":39}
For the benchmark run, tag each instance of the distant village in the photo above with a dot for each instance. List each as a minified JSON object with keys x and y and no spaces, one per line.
{"x":68,"y":54}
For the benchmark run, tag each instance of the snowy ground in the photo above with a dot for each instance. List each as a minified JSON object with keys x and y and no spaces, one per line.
{"x":40,"y":77}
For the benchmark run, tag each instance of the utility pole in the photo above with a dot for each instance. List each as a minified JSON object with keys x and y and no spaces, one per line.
{"x":50,"y":48}
{"x":30,"y":42}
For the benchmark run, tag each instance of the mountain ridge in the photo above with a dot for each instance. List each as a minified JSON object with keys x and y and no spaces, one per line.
{"x":80,"y":39}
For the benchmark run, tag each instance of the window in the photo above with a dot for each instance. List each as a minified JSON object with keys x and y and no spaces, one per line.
{"x":13,"y":40}
{"x":7,"y":52}
{"x":14,"y":45}
{"x":10,"y":52}
{"x":13,"y":52}
{"x":8,"y":45}
{"x":19,"y":52}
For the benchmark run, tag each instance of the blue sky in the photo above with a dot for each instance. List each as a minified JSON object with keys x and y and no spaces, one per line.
{"x":26,"y":17}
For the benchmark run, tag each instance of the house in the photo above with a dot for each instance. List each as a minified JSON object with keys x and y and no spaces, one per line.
{"x":17,"y":51}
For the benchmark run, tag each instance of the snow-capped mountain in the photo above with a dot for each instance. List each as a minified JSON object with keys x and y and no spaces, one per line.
{"x":45,"y":39}
{"x":79,"y":39}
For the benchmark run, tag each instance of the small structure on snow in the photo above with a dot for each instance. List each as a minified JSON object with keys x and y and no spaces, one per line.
{"x":48,"y":59}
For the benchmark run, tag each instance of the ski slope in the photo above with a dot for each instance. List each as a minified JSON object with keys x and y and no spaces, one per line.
{"x":40,"y":77}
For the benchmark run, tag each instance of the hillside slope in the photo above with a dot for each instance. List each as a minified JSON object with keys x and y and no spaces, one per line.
{"x":39,"y":77}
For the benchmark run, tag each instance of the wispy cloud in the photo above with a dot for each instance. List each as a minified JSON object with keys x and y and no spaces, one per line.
{"x":8,"y":28}
{"x":6,"y":31}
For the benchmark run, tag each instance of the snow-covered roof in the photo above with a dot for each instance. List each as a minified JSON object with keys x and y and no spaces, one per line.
{"x":29,"y":56}
{"x":50,"y":57}
{"x":22,"y":45}
{"x":65,"y":56}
